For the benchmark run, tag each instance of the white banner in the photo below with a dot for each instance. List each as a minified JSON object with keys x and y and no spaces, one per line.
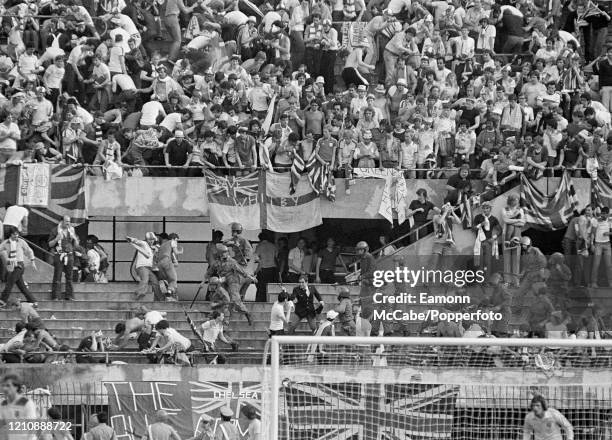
{"x":395,"y":192}
{"x":34,"y":185}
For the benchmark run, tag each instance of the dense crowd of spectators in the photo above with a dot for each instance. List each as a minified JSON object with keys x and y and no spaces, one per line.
{"x":406,"y":85}
{"x":456,"y":90}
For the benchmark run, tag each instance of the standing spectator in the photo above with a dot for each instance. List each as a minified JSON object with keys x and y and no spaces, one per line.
{"x":295,"y":261}
{"x":487,"y":230}
{"x":279,"y":315}
{"x":367,"y":264}
{"x":266,"y":271}
{"x":326,"y":263}
{"x":601,"y":247}
{"x":10,"y":134}
{"x":63,"y":241}
{"x":14,"y":252}
{"x":603,"y":68}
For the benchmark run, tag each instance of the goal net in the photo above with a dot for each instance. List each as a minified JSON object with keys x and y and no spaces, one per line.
{"x":391,"y":388}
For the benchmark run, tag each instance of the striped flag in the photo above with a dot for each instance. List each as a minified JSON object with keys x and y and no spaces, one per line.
{"x":601,"y":193}
{"x":321,"y":178}
{"x":67,"y":197}
{"x":297,"y":168}
{"x":548,"y":212}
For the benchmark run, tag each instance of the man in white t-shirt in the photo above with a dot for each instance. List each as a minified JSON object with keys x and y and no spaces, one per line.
{"x":145,"y":251}
{"x":15,"y":217}
{"x":15,"y":406}
{"x":544,"y":423}
{"x":278,"y":316}
{"x":171,"y":342}
{"x":150,"y":112}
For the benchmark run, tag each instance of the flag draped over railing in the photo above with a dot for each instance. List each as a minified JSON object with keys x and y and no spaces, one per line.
{"x":263,"y":200}
{"x":548,"y":212}
{"x":601,"y":193}
{"x":48,"y":191}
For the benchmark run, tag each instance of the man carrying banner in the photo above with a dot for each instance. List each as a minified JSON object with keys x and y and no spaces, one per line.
{"x":230,"y":274}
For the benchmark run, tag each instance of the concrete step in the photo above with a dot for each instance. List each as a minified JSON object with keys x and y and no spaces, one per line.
{"x":115,"y":315}
{"x":86,"y":287}
{"x":102,"y":304}
{"x":176,"y":307}
{"x":108,"y":323}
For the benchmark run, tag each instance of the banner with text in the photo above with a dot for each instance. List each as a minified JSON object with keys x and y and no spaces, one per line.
{"x":34,"y":185}
{"x":132,"y":405}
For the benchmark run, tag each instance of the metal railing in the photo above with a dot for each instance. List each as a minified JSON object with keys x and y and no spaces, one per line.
{"x":106,"y":357}
{"x":42,"y":253}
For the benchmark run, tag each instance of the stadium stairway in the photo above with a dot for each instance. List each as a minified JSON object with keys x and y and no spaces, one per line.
{"x":102,"y":306}
{"x":464,"y":238}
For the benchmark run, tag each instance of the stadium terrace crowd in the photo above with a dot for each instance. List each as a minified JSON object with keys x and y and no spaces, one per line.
{"x":457,"y":90}
{"x":176,"y":87}
{"x":544,"y":298}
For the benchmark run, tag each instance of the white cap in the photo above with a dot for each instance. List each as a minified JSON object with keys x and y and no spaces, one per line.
{"x":320,"y":79}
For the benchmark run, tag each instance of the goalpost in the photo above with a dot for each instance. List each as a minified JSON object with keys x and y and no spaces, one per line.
{"x":391,"y":388}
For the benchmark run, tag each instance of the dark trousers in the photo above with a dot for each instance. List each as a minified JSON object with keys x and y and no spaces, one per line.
{"x":313,"y":59}
{"x":64,"y":267}
{"x":293,"y":277}
{"x":16,"y":277}
{"x":264,"y":276}
{"x":328,"y":64}
{"x":327,"y":276}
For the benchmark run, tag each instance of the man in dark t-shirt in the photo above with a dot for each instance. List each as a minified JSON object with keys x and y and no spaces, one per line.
{"x":177,"y":153}
{"x":326,"y":263}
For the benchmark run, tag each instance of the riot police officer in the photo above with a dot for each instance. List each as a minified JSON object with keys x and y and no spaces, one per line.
{"x":230,"y":274}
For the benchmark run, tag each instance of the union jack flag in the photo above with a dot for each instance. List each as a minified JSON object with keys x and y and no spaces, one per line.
{"x":209,"y":397}
{"x":231,"y":190}
{"x":361,"y":411}
{"x":601,"y":193}
{"x":549,"y":212}
{"x":67,"y":197}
